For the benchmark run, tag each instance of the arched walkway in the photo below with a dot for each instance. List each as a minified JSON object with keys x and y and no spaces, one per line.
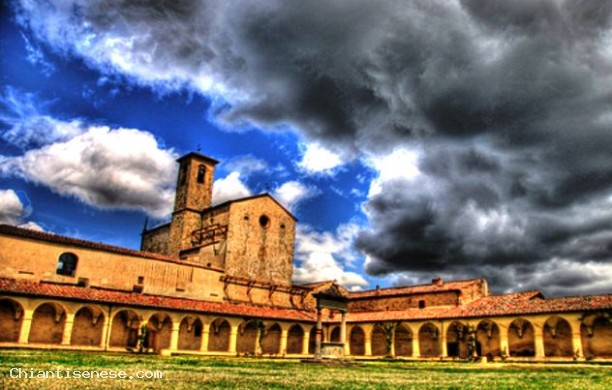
{"x":488,"y":339}
{"x":270,"y":344}
{"x":379,"y":341}
{"x":159,"y":329}
{"x":190,"y":334}
{"x":219,"y":336}
{"x":403,"y":341}
{"x":48,"y":324}
{"x":357,"y":341}
{"x":87,"y":327}
{"x":596,"y":332}
{"x":557,"y":337}
{"x":456,"y":340}
{"x":334,"y":336}
{"x":248,"y":335}
{"x":124,"y":329}
{"x":521,"y":338}
{"x":11,"y":317}
{"x":312,"y":341}
{"x":429,"y":341}
{"x":295,"y":339}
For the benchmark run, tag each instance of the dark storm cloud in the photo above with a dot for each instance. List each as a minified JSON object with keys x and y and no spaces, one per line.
{"x":508,"y":104}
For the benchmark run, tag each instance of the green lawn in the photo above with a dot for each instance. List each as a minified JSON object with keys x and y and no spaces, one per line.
{"x":186,"y":372}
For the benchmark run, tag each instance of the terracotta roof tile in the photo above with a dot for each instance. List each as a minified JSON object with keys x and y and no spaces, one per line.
{"x":525,"y":303}
{"x":418,"y":289}
{"x":57,"y":291}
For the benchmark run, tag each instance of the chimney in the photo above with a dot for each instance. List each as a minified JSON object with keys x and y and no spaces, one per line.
{"x":437,"y":281}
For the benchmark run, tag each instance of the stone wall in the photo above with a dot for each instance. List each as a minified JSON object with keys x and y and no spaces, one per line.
{"x":443,"y":298}
{"x":156,"y":240}
{"x":260,"y":241}
{"x":38,"y":260}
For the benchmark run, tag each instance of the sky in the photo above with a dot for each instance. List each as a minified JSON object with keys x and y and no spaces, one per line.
{"x":411,"y":139}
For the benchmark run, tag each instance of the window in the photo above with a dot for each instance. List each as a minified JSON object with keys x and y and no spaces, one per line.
{"x":264,"y":221}
{"x":201,"y":173}
{"x":66,"y":264}
{"x":421,"y":304}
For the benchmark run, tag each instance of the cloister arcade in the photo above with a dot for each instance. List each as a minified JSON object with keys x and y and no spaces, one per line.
{"x":64,"y":324}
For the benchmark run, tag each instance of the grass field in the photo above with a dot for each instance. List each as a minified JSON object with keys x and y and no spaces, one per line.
{"x":184,"y":372}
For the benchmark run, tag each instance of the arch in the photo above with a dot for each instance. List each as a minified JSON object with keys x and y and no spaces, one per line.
{"x":48,"y":323}
{"x":190,"y":333}
{"x":88,"y":326}
{"x":312,"y":341}
{"x":403,"y":341}
{"x":488,"y":339}
{"x":379,"y":341}
{"x":11,"y":317}
{"x":159,"y":331}
{"x":456,"y":340}
{"x":429,"y":343}
{"x":219,"y":335}
{"x":295,"y":339}
{"x":270,"y":343}
{"x":596,"y":334}
{"x":67,"y":264}
{"x":124,"y":329}
{"x":248,"y":336}
{"x":357,"y":341}
{"x":557,"y":337}
{"x":521,"y":338}
{"x":335,"y":334}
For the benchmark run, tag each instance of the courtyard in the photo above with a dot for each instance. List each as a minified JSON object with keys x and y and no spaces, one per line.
{"x":188,"y":372}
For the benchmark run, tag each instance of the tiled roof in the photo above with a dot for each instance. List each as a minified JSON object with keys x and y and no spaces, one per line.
{"x":530,"y":302}
{"x":63,"y":240}
{"x":418,"y":289}
{"x":29,"y":288}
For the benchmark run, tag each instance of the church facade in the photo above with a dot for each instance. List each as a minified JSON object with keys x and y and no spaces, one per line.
{"x":216,"y":280}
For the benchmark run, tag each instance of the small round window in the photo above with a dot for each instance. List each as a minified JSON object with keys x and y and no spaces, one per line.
{"x":264,"y":221}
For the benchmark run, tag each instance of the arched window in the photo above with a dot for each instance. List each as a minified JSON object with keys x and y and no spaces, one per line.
{"x":201,"y":173}
{"x":66,"y":264}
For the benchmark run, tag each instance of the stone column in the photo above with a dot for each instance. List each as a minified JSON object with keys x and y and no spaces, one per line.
{"x":539,"y":341}
{"x":343,"y":333}
{"x":174,"y":335}
{"x":106,"y":328}
{"x":443,"y":349}
{"x":233,"y":338}
{"x":319,"y":333}
{"x":368,"y":342}
{"x":26,"y":324}
{"x":68,"y":325}
{"x":305,"y":342}
{"x":503,"y":340}
{"x":204,"y":341}
{"x":283,"y":341}
{"x":415,"y":345}
{"x":576,"y":338}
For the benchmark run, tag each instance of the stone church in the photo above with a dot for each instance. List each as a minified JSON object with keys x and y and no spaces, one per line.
{"x":216,"y":280}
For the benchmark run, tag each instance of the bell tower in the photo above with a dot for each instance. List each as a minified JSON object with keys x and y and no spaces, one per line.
{"x":193,"y":195}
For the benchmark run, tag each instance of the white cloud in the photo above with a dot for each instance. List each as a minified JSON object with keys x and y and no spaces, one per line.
{"x":401,"y":163}
{"x":27,"y":126}
{"x":318,"y":159}
{"x":12,"y":210}
{"x":324,"y":256}
{"x":229,"y":188}
{"x":103,"y":167}
{"x":291,"y":193}
{"x":246,"y":165}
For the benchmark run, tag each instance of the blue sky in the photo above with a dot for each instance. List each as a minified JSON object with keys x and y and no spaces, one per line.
{"x":411,"y":140}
